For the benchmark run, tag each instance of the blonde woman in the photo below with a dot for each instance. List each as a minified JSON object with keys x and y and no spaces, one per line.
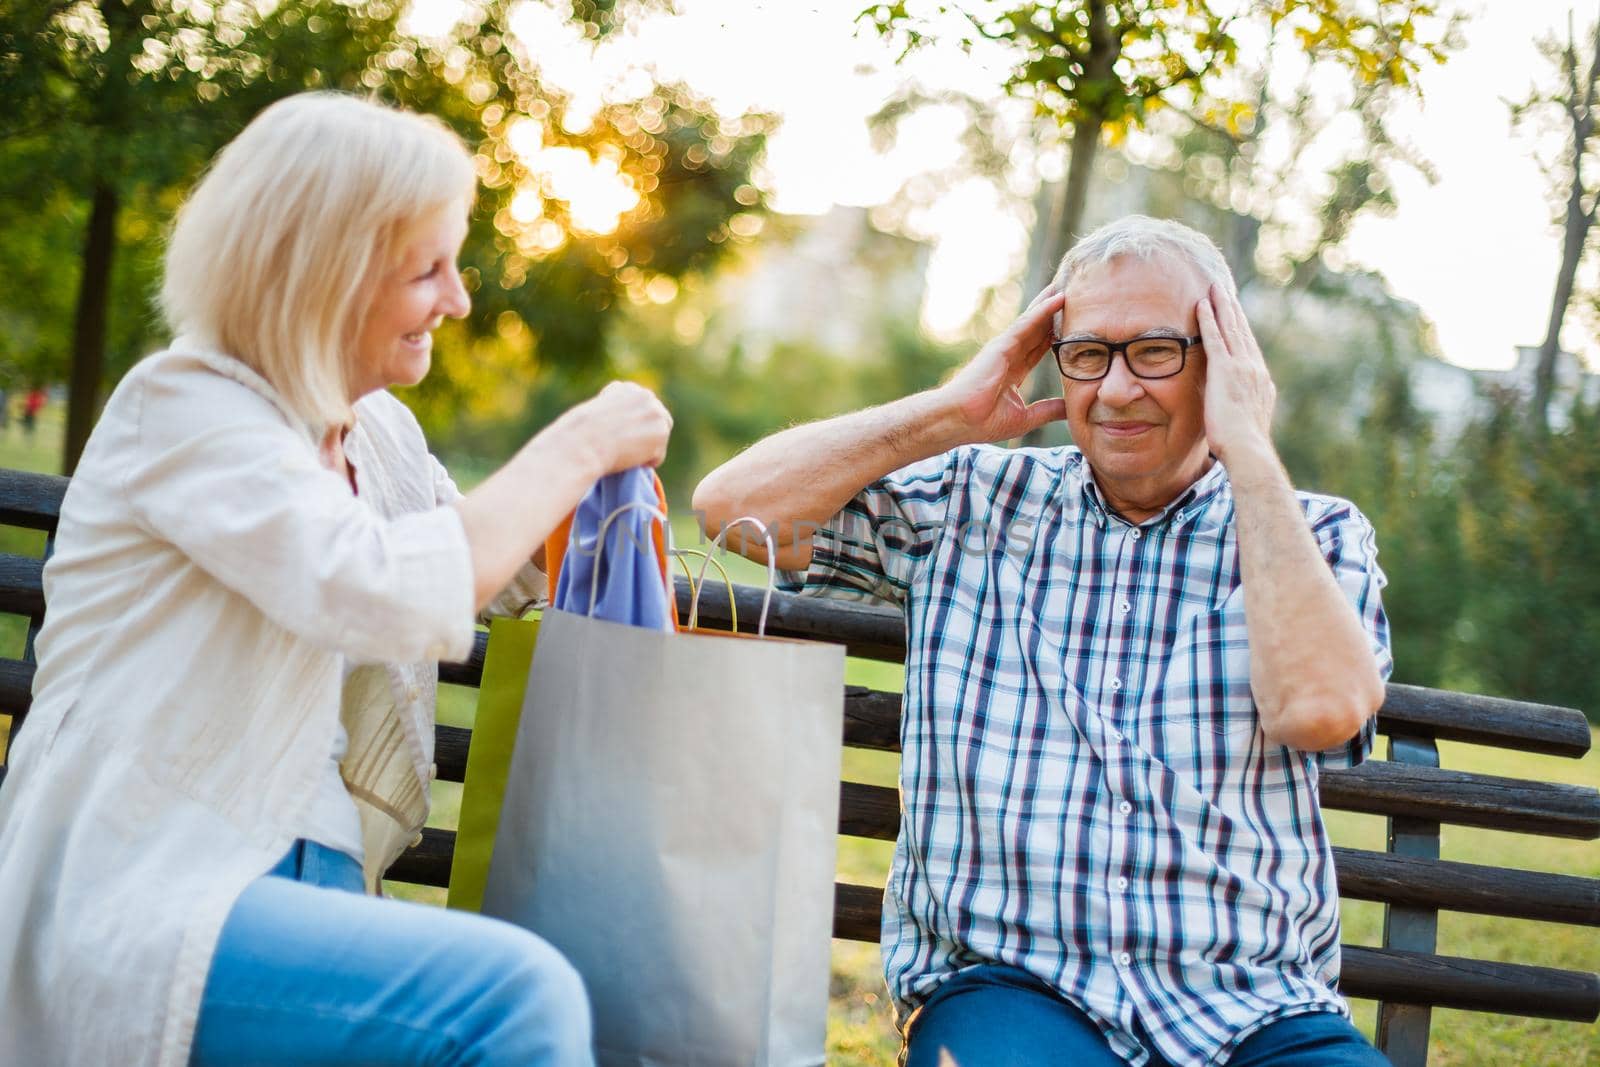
{"x":257,"y":568}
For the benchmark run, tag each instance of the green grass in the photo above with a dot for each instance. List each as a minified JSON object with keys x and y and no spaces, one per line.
{"x":860,"y":1030}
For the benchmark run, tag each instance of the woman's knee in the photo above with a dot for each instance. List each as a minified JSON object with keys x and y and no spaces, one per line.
{"x":533,"y":1007}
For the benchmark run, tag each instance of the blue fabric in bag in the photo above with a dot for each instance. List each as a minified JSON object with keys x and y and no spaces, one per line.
{"x":631,"y":588}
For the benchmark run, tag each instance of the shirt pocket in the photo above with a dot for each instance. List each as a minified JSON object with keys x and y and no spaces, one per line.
{"x":1206,"y":706}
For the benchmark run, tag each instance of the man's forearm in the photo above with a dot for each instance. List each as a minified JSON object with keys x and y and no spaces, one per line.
{"x":1312,"y":670}
{"x":796,"y":480}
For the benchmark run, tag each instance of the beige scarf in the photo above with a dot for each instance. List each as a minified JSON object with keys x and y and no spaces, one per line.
{"x":379,"y":772}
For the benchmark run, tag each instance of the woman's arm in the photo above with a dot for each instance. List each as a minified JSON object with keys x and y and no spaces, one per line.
{"x":216,"y":471}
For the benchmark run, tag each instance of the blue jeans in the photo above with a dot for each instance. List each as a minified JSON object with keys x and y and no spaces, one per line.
{"x":309,"y":970}
{"x":996,"y":1016}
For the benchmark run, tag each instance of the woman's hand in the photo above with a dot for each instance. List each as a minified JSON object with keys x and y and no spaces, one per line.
{"x":508,"y":517}
{"x":624,"y":426}
{"x":987,"y":392}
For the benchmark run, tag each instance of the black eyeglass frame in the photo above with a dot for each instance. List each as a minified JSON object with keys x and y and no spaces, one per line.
{"x":1121,"y":349}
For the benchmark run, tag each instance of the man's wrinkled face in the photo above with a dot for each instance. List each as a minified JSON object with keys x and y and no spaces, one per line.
{"x":1138,"y":434}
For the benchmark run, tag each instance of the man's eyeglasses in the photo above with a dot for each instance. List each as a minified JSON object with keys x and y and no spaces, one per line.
{"x":1147,"y":357}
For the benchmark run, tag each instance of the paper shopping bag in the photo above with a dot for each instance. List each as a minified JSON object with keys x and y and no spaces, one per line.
{"x":670,"y":825}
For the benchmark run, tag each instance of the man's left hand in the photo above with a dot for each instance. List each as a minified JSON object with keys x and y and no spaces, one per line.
{"x":1239,"y":391}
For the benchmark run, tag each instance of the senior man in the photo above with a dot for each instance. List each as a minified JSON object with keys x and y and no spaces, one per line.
{"x":1127,"y":663}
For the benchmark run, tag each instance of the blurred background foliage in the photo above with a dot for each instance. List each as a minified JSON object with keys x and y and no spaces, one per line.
{"x":632,"y":236}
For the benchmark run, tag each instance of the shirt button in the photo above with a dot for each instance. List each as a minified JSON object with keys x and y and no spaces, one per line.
{"x":1124,"y":607}
{"x":1125,"y":807}
{"x":433,"y":771}
{"x":1117,"y":734}
{"x":1122,"y":883}
{"x":1116,"y":684}
{"x":1124,"y":959}
{"x":1137,"y":534}
{"x":417,"y":840}
{"x":413,"y":693}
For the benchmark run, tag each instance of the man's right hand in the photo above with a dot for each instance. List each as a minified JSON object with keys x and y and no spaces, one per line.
{"x":987,"y":392}
{"x":796,"y":480}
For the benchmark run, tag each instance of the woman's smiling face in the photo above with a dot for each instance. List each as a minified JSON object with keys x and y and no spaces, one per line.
{"x":418,"y":291}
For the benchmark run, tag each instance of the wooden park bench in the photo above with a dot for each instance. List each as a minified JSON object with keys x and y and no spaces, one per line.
{"x":1406,"y":975}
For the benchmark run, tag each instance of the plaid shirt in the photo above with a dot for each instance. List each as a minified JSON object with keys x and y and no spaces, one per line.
{"x":1086,"y":791}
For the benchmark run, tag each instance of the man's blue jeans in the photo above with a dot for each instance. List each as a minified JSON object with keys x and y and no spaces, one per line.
{"x":309,"y":970}
{"x":995,"y":1016}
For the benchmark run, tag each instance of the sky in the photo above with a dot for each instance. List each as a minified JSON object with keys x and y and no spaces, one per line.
{"x":1477,"y":251}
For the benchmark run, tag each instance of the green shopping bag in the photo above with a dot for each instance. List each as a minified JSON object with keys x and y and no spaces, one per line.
{"x":494,"y":732}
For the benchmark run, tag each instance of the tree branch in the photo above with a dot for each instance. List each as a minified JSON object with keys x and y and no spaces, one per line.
{"x":1234,"y":139}
{"x":1594,"y":70}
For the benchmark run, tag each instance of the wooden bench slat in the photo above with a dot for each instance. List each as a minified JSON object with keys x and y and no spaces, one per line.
{"x":450,"y":744}
{"x":21,"y":584}
{"x":427,"y":862}
{"x":31,"y":500}
{"x":1379,"y":787}
{"x":857,"y":912}
{"x":1403,"y":977}
{"x":874,"y":720}
{"x":1376,"y":787}
{"x":1448,"y":885}
{"x":16,"y":688}
{"x":1385,"y":877}
{"x":1367,"y":973}
{"x":469,"y":672}
{"x":1447,"y":716}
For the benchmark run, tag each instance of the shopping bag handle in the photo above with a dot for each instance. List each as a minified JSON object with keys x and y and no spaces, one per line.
{"x":733,"y":607}
{"x":772,"y":572}
{"x":600,"y":543}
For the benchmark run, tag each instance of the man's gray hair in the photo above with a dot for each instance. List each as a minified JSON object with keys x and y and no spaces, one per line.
{"x":1145,"y":238}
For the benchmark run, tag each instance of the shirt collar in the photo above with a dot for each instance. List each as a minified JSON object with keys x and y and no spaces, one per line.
{"x":1208,"y":490}
{"x":230,"y":366}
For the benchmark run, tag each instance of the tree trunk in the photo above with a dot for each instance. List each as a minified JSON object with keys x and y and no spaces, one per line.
{"x":1575,"y":230}
{"x":89,"y":324}
{"x":1573,"y":239}
{"x":1099,"y":65}
{"x":1053,"y":239}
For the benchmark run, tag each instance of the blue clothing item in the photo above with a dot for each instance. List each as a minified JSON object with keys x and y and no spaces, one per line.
{"x":631,"y":588}
{"x":1087,"y":794}
{"x":997,"y":1016}
{"x":311,"y":971}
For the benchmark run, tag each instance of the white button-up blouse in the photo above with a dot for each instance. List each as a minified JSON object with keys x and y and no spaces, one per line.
{"x":211,"y":579}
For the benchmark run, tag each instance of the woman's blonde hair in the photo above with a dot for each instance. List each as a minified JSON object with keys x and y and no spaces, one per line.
{"x":274,"y":256}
